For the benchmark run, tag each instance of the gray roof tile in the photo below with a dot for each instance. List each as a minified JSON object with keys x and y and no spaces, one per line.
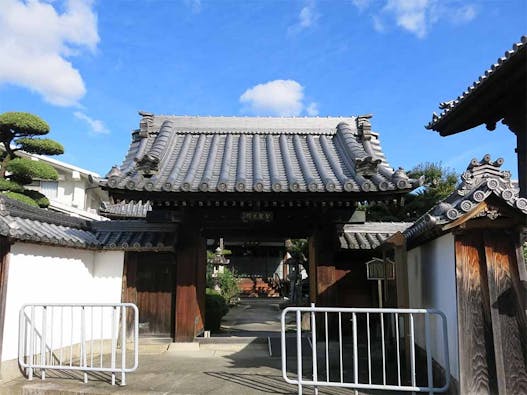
{"x":369,"y":235}
{"x":481,"y":180}
{"x":22,"y":222}
{"x":135,"y":235}
{"x":222,"y":154}
{"x":124,"y":209}
{"x":18,"y":221}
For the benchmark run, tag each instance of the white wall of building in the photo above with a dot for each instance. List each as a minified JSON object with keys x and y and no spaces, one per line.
{"x":432,"y":284}
{"x":46,"y":274}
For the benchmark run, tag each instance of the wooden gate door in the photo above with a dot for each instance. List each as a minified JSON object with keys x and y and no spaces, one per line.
{"x":150,"y":284}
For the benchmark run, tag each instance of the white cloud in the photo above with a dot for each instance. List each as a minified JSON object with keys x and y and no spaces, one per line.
{"x":410,"y":15}
{"x":97,"y":126}
{"x":464,"y":14}
{"x":417,"y":16}
{"x":361,"y":4}
{"x":307,"y":17}
{"x":279,"y":97}
{"x":378,"y":25}
{"x":312,"y":109}
{"x":35,"y":42}
{"x":194,"y":5}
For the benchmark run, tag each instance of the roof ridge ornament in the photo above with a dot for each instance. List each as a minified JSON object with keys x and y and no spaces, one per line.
{"x":146,"y":123}
{"x":481,"y":170}
{"x":483,"y":179}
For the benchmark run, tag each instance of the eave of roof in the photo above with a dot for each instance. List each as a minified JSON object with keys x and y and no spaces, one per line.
{"x":197,"y":155}
{"x":466,"y":111}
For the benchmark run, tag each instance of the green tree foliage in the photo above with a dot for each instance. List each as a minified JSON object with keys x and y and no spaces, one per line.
{"x":23,"y":170}
{"x":20,"y":131}
{"x":439,"y":182}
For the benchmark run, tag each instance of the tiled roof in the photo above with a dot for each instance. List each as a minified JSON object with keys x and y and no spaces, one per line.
{"x":369,"y":235}
{"x":124,"y":209}
{"x":135,"y":235}
{"x":517,"y":53}
{"x":22,"y":222}
{"x":223,"y":154}
{"x":481,"y":180}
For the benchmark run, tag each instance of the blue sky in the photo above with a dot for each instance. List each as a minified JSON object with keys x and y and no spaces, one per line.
{"x":88,"y":67}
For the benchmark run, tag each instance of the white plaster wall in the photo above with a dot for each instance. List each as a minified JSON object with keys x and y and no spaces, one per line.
{"x":45,"y":274}
{"x":432,"y":284}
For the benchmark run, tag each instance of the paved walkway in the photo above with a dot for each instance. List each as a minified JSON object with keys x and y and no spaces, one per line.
{"x":206,"y":371}
{"x":253,"y":317}
{"x":237,"y":363}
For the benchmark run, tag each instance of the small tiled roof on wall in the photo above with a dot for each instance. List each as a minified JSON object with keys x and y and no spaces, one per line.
{"x":234,"y":154}
{"x":507,"y":74}
{"x":18,"y":221}
{"x":135,"y":235}
{"x":481,"y":180}
{"x":369,"y":235}
{"x":123,"y":209}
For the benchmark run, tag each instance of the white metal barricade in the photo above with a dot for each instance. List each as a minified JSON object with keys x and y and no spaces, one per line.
{"x":399,"y":330}
{"x":79,"y":337}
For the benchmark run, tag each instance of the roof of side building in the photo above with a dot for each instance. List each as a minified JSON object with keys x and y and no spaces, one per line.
{"x":489,"y":98}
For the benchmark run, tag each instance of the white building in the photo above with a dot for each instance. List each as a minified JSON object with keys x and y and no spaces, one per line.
{"x":76,"y":192}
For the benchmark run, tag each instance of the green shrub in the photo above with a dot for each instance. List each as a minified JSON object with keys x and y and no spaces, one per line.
{"x":6,"y":185}
{"x":38,"y":197}
{"x":21,"y":198}
{"x":215,"y":308}
{"x":229,"y":287}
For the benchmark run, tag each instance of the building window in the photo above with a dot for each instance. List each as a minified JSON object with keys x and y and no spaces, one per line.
{"x":49,"y":188}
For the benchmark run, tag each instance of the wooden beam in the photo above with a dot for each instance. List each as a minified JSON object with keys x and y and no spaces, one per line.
{"x":477,"y":371}
{"x":507,"y":302}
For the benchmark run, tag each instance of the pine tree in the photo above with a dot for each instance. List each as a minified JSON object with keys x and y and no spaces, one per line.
{"x":22,"y":131}
{"x":439,"y":182}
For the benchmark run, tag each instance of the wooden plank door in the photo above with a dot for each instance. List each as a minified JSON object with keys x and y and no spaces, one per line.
{"x":151,"y":285}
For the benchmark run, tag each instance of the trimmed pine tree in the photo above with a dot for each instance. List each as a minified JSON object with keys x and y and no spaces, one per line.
{"x":23,"y":131}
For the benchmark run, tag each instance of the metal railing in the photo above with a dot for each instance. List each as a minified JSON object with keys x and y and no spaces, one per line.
{"x":79,"y":337}
{"x":366,"y":348}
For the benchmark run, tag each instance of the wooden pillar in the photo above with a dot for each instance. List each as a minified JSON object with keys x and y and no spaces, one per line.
{"x":129,"y":284}
{"x":190,"y":284}
{"x":507,"y":306}
{"x":517,"y":123}
{"x":397,"y":243}
{"x":477,"y":370}
{"x":323,"y":290}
